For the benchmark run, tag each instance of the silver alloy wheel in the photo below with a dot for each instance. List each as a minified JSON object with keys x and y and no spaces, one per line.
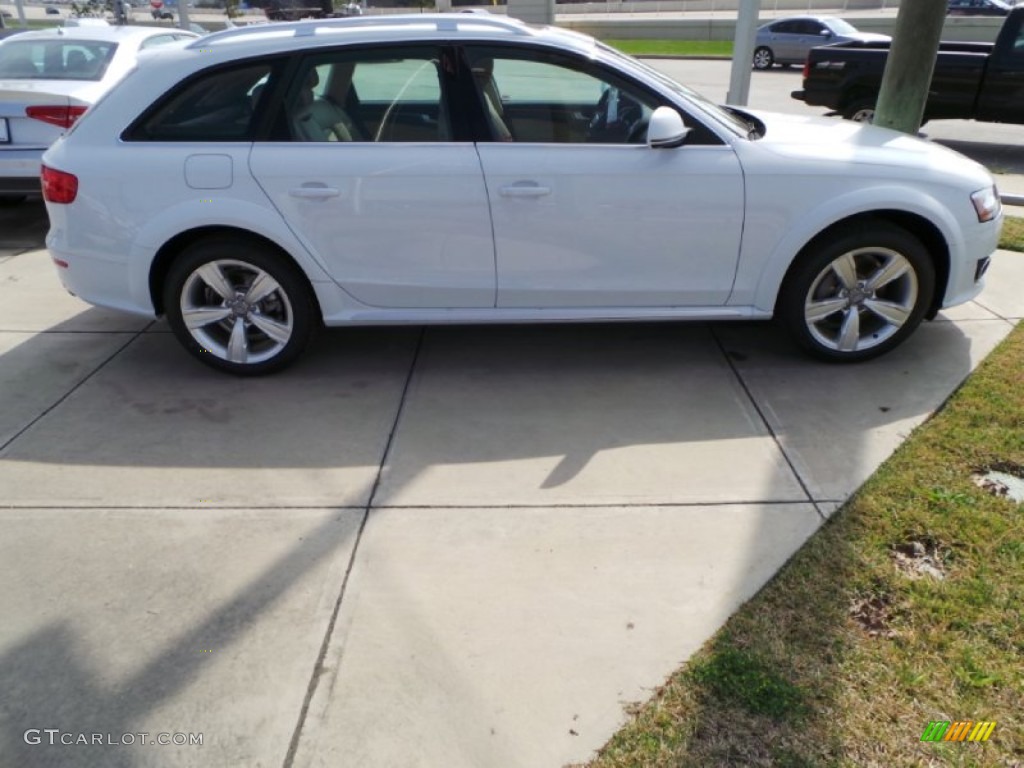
{"x":861,"y":299}
{"x":762,"y":58}
{"x":236,"y":311}
{"x":863,"y":115}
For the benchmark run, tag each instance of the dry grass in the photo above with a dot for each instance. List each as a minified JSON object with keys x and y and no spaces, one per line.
{"x":1012,"y":238}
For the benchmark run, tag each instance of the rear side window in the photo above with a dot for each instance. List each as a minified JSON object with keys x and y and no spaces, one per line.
{"x":785,"y":28}
{"x":379,"y":95}
{"x":216,"y":106}
{"x":55,"y":59}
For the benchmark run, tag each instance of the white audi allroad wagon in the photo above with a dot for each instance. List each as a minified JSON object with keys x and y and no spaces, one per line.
{"x":257,"y":183}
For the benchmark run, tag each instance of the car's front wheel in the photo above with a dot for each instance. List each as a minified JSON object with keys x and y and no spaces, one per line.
{"x":239,"y":306}
{"x":763,"y":58}
{"x":858,"y":292}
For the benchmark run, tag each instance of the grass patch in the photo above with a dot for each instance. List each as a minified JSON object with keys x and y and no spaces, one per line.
{"x":716,"y":48}
{"x":849,"y":652}
{"x":1012,"y":238}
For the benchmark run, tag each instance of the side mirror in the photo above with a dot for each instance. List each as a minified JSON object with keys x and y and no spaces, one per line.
{"x":666,"y":129}
{"x":826,"y":33}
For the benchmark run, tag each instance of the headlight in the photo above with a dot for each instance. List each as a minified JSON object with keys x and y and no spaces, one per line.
{"x":986,"y":203}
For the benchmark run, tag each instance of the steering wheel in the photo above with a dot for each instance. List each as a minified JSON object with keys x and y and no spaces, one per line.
{"x":617,"y":119}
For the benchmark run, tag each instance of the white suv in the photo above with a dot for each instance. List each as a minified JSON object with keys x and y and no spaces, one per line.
{"x":465,"y":168}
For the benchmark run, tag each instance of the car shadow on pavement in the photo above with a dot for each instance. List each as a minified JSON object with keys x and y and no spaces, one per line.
{"x":531,"y":415}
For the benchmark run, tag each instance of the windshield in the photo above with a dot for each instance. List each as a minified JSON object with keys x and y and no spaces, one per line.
{"x":55,"y":59}
{"x":841,"y":27}
{"x":734,"y":123}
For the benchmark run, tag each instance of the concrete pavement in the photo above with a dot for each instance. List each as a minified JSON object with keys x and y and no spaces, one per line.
{"x":458,"y":547}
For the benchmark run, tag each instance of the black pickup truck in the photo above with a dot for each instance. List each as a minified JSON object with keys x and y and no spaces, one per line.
{"x":971,"y":81}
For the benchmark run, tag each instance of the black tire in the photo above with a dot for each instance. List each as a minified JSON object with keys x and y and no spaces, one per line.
{"x":288,"y":310}
{"x":860,"y":110}
{"x":763,"y":58}
{"x":816,"y":284}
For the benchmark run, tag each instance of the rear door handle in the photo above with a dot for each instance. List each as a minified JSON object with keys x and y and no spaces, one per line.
{"x":314,"y":193}
{"x":524,"y":189}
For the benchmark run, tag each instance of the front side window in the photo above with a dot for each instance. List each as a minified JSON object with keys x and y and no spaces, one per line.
{"x":370,"y":96}
{"x":55,"y":59}
{"x":534,"y":97}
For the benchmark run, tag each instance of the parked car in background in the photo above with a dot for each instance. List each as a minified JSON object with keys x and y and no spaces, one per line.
{"x":970,"y":81}
{"x":978,"y":8}
{"x":162,"y":14}
{"x":469,"y":168}
{"x":52,"y":10}
{"x":49,"y":78}
{"x":788,"y":41}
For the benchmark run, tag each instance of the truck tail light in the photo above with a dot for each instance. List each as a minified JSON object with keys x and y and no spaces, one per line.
{"x":58,"y":186}
{"x":61,"y":115}
{"x":807,"y":68}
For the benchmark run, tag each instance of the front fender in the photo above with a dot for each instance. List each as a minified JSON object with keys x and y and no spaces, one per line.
{"x":761,"y":274}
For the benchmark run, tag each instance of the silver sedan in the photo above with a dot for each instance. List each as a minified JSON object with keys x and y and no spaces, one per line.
{"x":787,"y":41}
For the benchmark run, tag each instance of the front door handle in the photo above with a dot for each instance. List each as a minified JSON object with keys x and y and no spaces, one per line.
{"x":524,"y":189}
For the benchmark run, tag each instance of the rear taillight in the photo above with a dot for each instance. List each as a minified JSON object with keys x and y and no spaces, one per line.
{"x":58,"y":186}
{"x":63,"y":116}
{"x":807,"y":69}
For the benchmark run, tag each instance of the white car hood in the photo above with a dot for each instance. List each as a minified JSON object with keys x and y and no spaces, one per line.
{"x":832,"y":141}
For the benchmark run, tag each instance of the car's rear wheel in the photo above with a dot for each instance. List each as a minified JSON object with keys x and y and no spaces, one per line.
{"x":860,"y":111}
{"x":763,"y":58}
{"x":239,"y":306}
{"x":857,"y":292}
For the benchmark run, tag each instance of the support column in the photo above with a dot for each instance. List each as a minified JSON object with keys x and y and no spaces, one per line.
{"x":743,"y":53}
{"x":22,"y":20}
{"x":908,"y":70}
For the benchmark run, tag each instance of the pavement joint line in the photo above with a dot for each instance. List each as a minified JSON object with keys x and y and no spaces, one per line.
{"x":350,"y":508}
{"x":103,"y":364}
{"x":609,"y":504}
{"x":822,"y":515}
{"x":318,"y":666}
{"x":764,"y":420}
{"x":994,"y":312}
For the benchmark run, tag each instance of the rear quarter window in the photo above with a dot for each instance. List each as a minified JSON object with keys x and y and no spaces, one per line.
{"x":214,"y":106}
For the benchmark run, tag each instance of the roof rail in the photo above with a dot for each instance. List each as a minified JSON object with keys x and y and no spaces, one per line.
{"x":444,"y":22}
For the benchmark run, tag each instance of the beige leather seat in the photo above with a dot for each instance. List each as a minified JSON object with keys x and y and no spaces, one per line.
{"x":319,"y":119}
{"x":483,"y":75}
